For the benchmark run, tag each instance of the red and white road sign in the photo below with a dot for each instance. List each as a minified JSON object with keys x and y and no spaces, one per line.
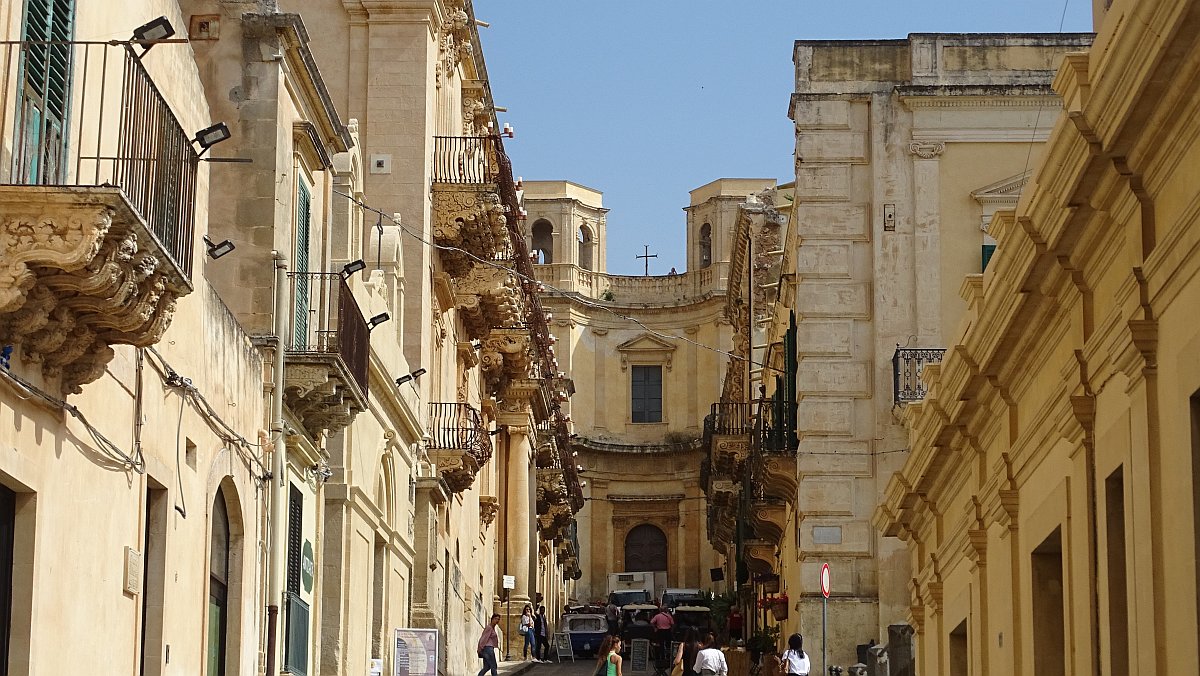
{"x":825,"y":579}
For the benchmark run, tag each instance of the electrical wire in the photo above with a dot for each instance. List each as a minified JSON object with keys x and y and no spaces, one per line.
{"x":182,"y":506}
{"x":1037,"y":121}
{"x":555,"y":290}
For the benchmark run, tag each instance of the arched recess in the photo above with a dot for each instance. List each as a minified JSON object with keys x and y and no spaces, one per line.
{"x":646,"y":549}
{"x":226,"y":552}
{"x":705,"y":245}
{"x":543,"y":241}
{"x":587,"y":244}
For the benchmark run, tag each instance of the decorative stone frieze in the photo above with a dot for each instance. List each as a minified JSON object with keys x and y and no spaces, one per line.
{"x":454,"y":41}
{"x":79,"y":272}
{"x":927,"y":150}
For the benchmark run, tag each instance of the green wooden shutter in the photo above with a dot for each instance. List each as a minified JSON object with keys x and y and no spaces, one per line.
{"x":303,"y":225}
{"x":45,"y":91}
{"x":988,"y":250}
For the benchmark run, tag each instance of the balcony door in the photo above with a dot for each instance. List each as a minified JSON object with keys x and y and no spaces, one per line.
{"x":45,"y":92}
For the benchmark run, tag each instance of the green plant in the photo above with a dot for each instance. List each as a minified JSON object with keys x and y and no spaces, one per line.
{"x":721,"y":604}
{"x":607,"y":294}
{"x":764,"y":640}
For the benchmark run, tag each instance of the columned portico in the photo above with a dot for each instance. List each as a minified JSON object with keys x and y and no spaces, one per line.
{"x":519,"y":521}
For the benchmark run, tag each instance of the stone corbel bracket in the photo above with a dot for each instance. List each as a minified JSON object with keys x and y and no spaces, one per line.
{"x":487,"y":297}
{"x":505,"y":355}
{"x":79,"y":272}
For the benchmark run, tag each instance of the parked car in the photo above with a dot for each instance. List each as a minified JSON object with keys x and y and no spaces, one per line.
{"x":586,"y":631}
{"x":694,"y":617}
{"x":635,"y":622}
{"x":683,"y":597}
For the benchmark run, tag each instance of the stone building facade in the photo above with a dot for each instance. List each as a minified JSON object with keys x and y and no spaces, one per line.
{"x":1049,"y":505}
{"x":643,"y":387}
{"x":296,"y":420}
{"x":905,"y":149}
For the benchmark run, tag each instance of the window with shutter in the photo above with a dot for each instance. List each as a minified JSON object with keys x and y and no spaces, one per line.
{"x":295,"y":537}
{"x":44,"y":99}
{"x":303,"y":224}
{"x":988,"y":250}
{"x":646,"y":404}
{"x":296,"y":629}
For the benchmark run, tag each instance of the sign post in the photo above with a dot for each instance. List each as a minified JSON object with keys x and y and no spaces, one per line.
{"x":509,"y":582}
{"x":824,"y":614}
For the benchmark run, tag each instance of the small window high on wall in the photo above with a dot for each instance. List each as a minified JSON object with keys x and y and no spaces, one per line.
{"x":705,"y":245}
{"x":586,"y":246}
{"x":646,"y":404}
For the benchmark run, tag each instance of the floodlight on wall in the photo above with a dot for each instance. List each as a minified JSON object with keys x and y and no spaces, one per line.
{"x":508,"y":130}
{"x":494,"y":432}
{"x":412,"y":376}
{"x":353,"y":267}
{"x":218,"y":249}
{"x":149,"y":33}
{"x":211,"y":136}
{"x":377,"y":320}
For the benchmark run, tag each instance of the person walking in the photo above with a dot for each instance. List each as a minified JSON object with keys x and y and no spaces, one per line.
{"x":663,"y":623}
{"x":489,"y":644}
{"x":710,"y":661}
{"x":609,"y":663}
{"x":794,"y":661}
{"x":613,"y":615}
{"x":525,"y":629}
{"x":735,"y":624}
{"x":685,"y":655}
{"x":541,"y":631}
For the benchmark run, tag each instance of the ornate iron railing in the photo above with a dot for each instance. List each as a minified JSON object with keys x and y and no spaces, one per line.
{"x":907,"y":364}
{"x":729,"y":418}
{"x":89,"y":114}
{"x":455,"y":426}
{"x":327,"y":320}
{"x":464,"y":159}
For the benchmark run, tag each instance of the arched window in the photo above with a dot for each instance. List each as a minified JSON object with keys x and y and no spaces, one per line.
{"x":543,"y":241}
{"x":218,"y":587}
{"x":645,"y":549}
{"x":586,"y":245}
{"x":705,"y":245}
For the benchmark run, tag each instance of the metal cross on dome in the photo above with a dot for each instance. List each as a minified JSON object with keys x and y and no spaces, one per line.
{"x":647,"y":256}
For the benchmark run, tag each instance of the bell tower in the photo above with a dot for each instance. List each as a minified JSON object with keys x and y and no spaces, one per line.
{"x":566,"y":224}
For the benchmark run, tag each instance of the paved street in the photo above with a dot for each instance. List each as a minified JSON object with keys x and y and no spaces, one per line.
{"x":581,"y":667}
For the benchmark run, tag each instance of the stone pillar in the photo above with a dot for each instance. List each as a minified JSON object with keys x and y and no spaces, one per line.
{"x":900,"y":650}
{"x":518,"y":519}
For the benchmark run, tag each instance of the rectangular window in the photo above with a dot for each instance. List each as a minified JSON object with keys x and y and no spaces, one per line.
{"x":8,"y":524}
{"x":1049,"y":616}
{"x":154,"y":561}
{"x":295,"y":537}
{"x":988,"y":250}
{"x":1118,"y":621}
{"x":303,"y":228}
{"x":45,"y":91}
{"x":296,"y":647}
{"x":647,"y":394}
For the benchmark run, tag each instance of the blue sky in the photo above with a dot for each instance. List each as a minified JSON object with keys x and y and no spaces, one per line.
{"x":646,"y":100}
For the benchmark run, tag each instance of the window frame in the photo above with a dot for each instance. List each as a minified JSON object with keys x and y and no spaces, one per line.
{"x":634,"y":370}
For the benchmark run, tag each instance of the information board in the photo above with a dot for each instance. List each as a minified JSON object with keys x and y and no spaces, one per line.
{"x":416,"y":653}
{"x":562,"y":646}
{"x":639,"y":655}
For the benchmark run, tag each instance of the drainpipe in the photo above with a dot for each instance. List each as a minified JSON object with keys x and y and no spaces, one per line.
{"x":278,"y":474}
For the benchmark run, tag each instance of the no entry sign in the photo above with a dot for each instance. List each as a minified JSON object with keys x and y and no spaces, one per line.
{"x":825,"y":579}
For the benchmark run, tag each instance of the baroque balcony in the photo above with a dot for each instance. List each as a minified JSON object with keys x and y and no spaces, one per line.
{"x":773,"y":457}
{"x":96,"y":208}
{"x":768,"y":517}
{"x":505,"y":356}
{"x":759,"y":556}
{"x":468,"y":212}
{"x":326,"y":358}
{"x":458,"y":443}
{"x":729,"y":435}
{"x":907,"y":364}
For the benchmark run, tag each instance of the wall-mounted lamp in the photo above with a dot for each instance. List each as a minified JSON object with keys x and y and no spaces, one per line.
{"x":508,"y":130}
{"x":412,"y":376}
{"x":219,"y":249}
{"x":147,"y":33}
{"x":377,"y":320}
{"x":211,"y":136}
{"x":321,"y":471}
{"x":353,"y":267}
{"x":494,"y":432}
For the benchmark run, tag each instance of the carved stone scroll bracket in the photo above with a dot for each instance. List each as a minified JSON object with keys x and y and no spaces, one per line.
{"x":489,"y":507}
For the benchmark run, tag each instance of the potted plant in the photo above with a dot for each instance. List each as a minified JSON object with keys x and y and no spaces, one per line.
{"x":764,"y":640}
{"x":779,"y":607}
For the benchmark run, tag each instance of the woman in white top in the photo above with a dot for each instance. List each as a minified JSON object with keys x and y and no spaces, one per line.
{"x":711,"y":661}
{"x":526,"y":630}
{"x":794,"y":662}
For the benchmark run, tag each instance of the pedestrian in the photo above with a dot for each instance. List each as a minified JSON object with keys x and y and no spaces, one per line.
{"x":685,"y":655}
{"x":794,"y":662}
{"x":662,"y":623}
{"x":613,"y":614}
{"x":710,"y":661}
{"x":735,"y":624}
{"x":541,"y":631}
{"x":609,"y":663}
{"x":525,"y":629}
{"x":489,"y":643}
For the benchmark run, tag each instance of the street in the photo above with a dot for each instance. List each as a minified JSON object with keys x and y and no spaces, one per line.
{"x":580,"y":667}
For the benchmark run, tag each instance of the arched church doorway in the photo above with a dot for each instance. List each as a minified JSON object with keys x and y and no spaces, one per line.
{"x":645,"y":549}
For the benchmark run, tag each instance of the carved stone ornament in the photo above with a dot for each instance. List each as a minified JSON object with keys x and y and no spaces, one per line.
{"x":454,"y":41}
{"x":927,"y":150}
{"x":776,"y":476}
{"x":489,"y":507}
{"x":476,"y":111}
{"x":551,"y":489}
{"x":319,"y":391}
{"x":79,"y":272}
{"x":458,"y":467}
{"x":505,"y":355}
{"x":469,"y":217}
{"x":487,"y":297}
{"x":769,"y":520}
{"x":759,"y":556}
{"x":729,"y":454}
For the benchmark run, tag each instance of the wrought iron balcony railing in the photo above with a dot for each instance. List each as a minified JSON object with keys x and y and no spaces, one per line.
{"x":88,"y":114}
{"x":731,"y":419}
{"x":326,"y":320}
{"x":464,"y":159}
{"x":772,"y":432}
{"x":459,"y":427}
{"x":907,"y":364}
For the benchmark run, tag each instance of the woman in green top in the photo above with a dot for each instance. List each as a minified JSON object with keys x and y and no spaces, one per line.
{"x":609,"y":663}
